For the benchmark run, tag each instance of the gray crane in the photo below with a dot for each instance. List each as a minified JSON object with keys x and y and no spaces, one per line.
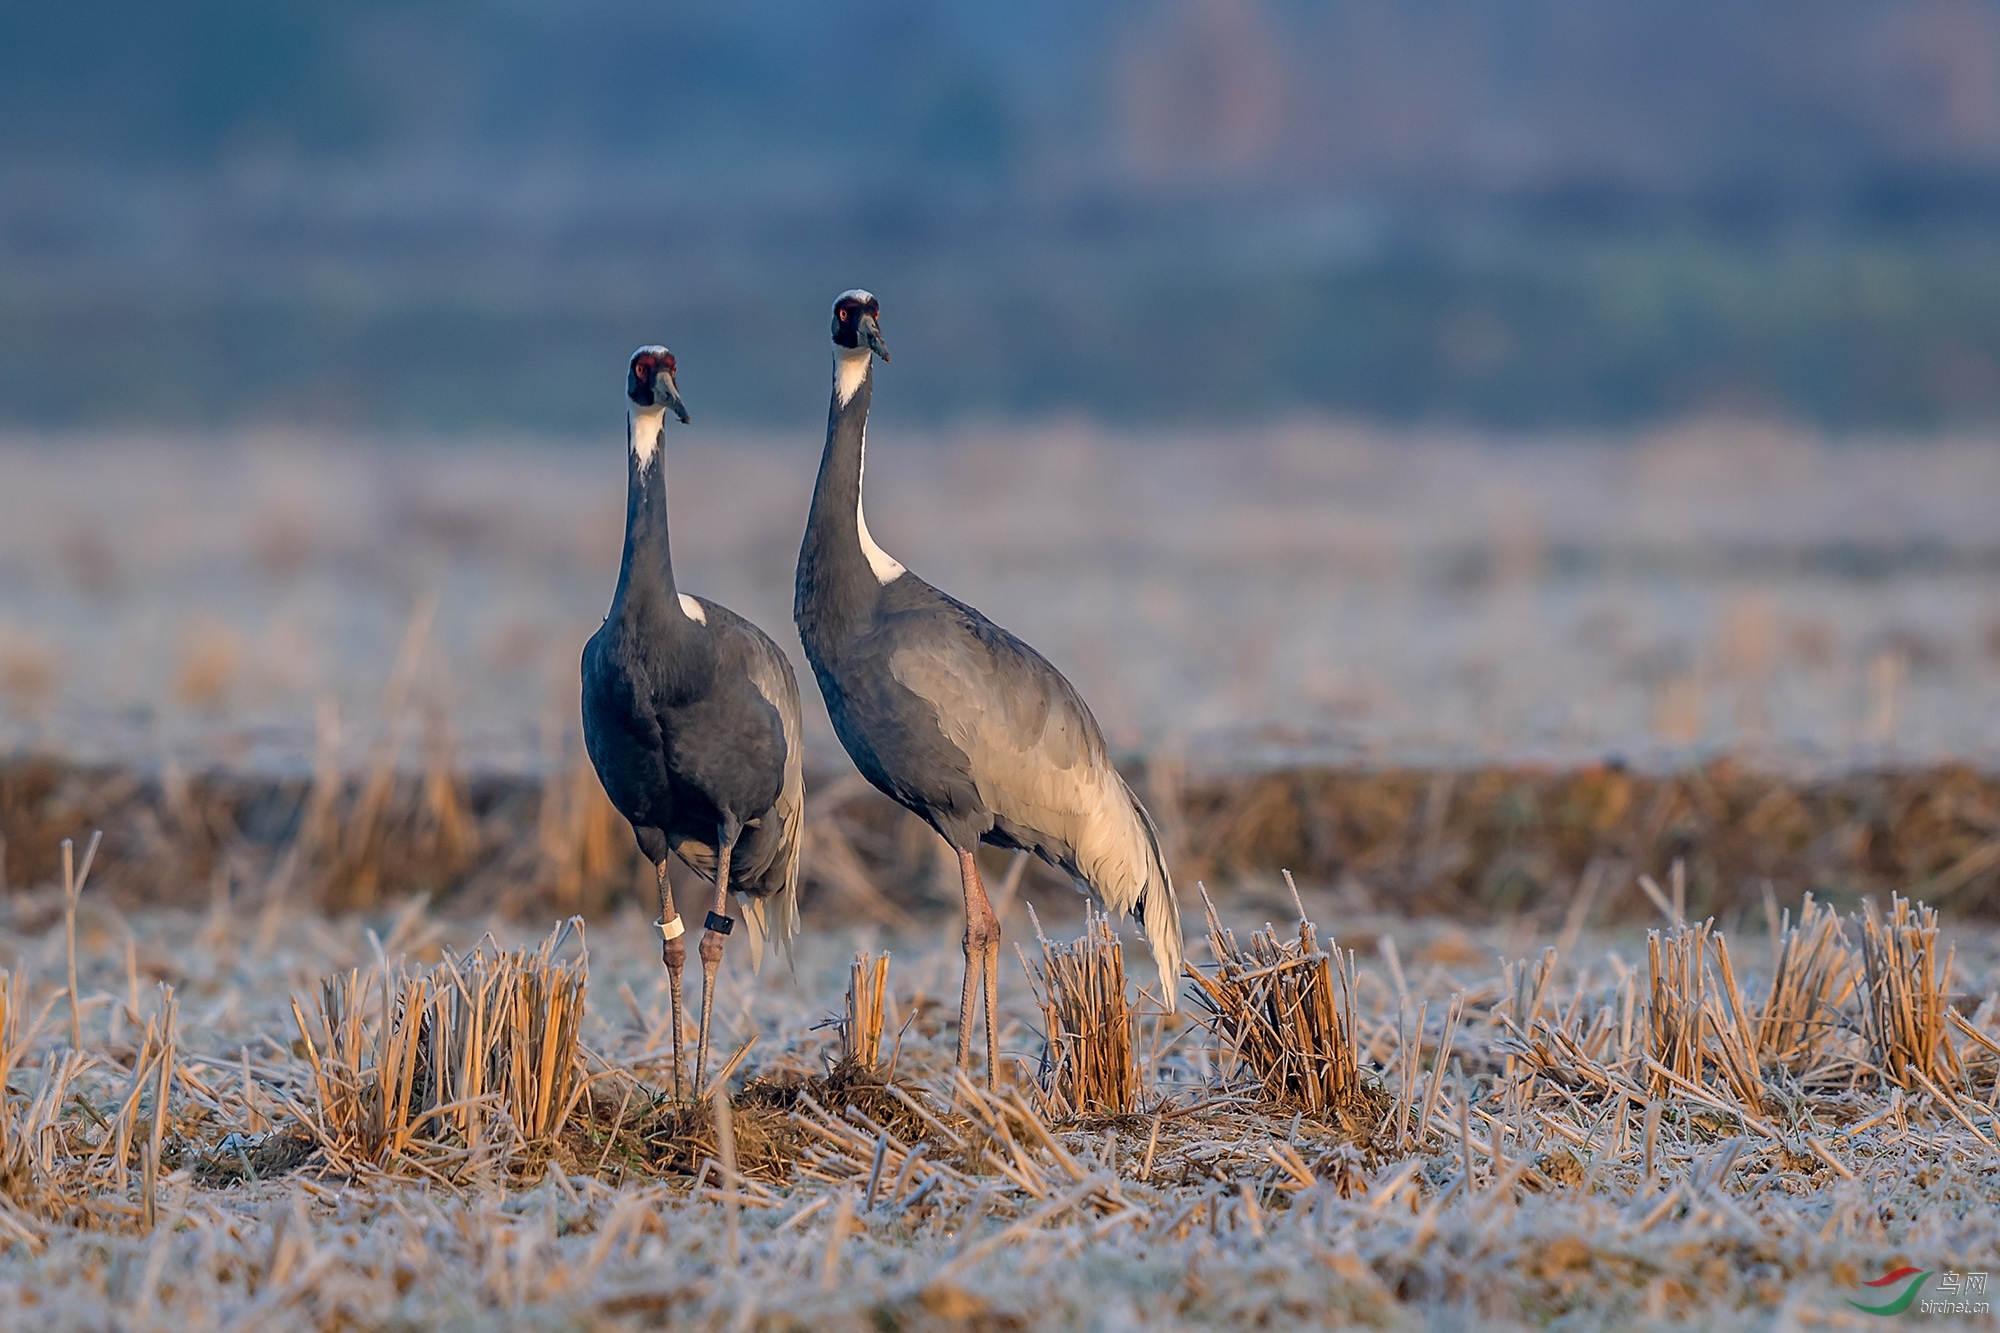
{"x":956,"y":719}
{"x":691,"y":717}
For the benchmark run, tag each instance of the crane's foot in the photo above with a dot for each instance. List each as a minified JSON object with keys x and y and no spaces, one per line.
{"x":711,"y":962}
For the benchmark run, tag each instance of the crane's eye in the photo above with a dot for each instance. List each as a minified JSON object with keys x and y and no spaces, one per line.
{"x":843,"y":315}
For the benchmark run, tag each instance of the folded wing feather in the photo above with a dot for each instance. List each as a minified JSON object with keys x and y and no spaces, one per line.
{"x":1039,"y":762}
{"x":778,"y":915}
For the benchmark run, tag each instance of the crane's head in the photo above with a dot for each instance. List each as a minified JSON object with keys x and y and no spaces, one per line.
{"x":857,"y":323}
{"x":649,"y":383}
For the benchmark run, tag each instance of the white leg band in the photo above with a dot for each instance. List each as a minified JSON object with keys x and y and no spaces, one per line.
{"x":672,"y":930}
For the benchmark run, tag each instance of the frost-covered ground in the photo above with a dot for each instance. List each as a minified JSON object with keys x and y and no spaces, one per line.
{"x":1206,"y":1209}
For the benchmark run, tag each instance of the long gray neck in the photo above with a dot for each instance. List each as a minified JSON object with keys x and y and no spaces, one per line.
{"x":646,"y":571}
{"x":841,"y":569}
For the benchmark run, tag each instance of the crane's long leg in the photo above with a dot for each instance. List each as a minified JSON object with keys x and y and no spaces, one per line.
{"x":993,"y":1007}
{"x":982,"y":960}
{"x":716,"y":929}
{"x":674,"y":953}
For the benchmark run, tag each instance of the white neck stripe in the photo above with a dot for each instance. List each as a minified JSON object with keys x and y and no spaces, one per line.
{"x":647,"y":424}
{"x":692,"y":610}
{"x":850,"y":367}
{"x":887,"y":568}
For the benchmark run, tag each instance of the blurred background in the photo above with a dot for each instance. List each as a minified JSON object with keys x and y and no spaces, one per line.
{"x":1530,"y":213}
{"x":1355,"y":380}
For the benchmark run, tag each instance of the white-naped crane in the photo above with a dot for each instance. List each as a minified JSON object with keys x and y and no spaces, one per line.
{"x":691,"y":717}
{"x":956,"y":719}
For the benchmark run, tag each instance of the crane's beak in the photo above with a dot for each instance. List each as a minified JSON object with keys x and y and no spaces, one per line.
{"x":871,"y":332}
{"x":668,"y":395}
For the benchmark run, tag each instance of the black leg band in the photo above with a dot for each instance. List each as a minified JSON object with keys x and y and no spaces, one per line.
{"x":719,"y":923}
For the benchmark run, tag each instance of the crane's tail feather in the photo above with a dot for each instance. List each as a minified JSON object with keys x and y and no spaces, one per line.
{"x":786,"y":905}
{"x":776,"y":917}
{"x":756,"y":931}
{"x":1158,"y":912}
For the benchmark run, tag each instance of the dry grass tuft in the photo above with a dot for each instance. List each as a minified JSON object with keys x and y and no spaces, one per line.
{"x":861,"y":1028}
{"x":63,"y":1159}
{"x":1812,"y":981}
{"x":1697,"y":1018}
{"x":445,"y":1069}
{"x":1274,"y":1008}
{"x":1735,"y":1052}
{"x":1676,"y":997}
{"x":1088,"y":1064}
{"x":1904,"y":1015}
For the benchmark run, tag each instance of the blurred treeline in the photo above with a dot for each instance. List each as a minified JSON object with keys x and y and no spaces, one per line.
{"x":1517,"y":212}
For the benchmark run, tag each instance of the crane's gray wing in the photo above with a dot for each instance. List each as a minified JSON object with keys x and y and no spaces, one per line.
{"x":1039,"y":762}
{"x":778,"y":914}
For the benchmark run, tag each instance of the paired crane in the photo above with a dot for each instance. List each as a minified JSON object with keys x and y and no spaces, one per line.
{"x":692,"y":716}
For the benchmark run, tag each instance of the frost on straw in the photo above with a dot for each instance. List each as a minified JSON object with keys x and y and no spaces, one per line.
{"x":1088,"y":1062}
{"x":1274,"y":1007}
{"x":432,"y":1071}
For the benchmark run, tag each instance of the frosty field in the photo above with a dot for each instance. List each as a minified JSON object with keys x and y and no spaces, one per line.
{"x":1641,"y":969}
